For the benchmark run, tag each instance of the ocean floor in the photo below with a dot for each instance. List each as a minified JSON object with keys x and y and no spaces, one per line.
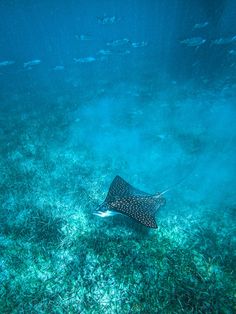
{"x":60,"y":150}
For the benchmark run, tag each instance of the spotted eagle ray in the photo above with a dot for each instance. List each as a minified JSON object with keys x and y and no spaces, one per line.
{"x":123,"y":198}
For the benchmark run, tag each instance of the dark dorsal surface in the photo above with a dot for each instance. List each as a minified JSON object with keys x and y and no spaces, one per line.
{"x":119,"y":188}
{"x":125,"y":199}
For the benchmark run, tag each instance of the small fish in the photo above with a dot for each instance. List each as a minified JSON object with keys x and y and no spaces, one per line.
{"x":32,"y":62}
{"x":84,"y":37}
{"x":123,"y":198}
{"x":232,"y":52}
{"x":139,"y":44}
{"x":224,"y":41}
{"x":6,"y":63}
{"x":103,"y":52}
{"x":200,"y":25}
{"x":123,"y":52}
{"x":107,"y":20}
{"x":59,"y":68}
{"x":118,"y":42}
{"x":84,"y":60}
{"x":193,"y":42}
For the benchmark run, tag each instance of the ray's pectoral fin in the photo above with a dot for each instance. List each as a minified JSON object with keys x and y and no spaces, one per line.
{"x":140,"y":208}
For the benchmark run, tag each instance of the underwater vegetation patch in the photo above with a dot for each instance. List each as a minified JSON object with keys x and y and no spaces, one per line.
{"x":183,"y":267}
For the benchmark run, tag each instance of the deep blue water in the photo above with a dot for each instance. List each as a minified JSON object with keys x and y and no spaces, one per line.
{"x":141,"y":89}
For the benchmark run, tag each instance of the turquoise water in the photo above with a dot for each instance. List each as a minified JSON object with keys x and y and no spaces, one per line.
{"x":142,"y":89}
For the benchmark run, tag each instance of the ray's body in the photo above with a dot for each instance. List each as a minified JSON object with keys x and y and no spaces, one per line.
{"x":123,"y":198}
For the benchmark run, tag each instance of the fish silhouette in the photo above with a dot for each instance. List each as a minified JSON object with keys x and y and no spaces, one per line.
{"x":123,"y":198}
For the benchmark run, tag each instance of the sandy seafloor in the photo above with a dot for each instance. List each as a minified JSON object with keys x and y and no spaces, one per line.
{"x":60,"y":150}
